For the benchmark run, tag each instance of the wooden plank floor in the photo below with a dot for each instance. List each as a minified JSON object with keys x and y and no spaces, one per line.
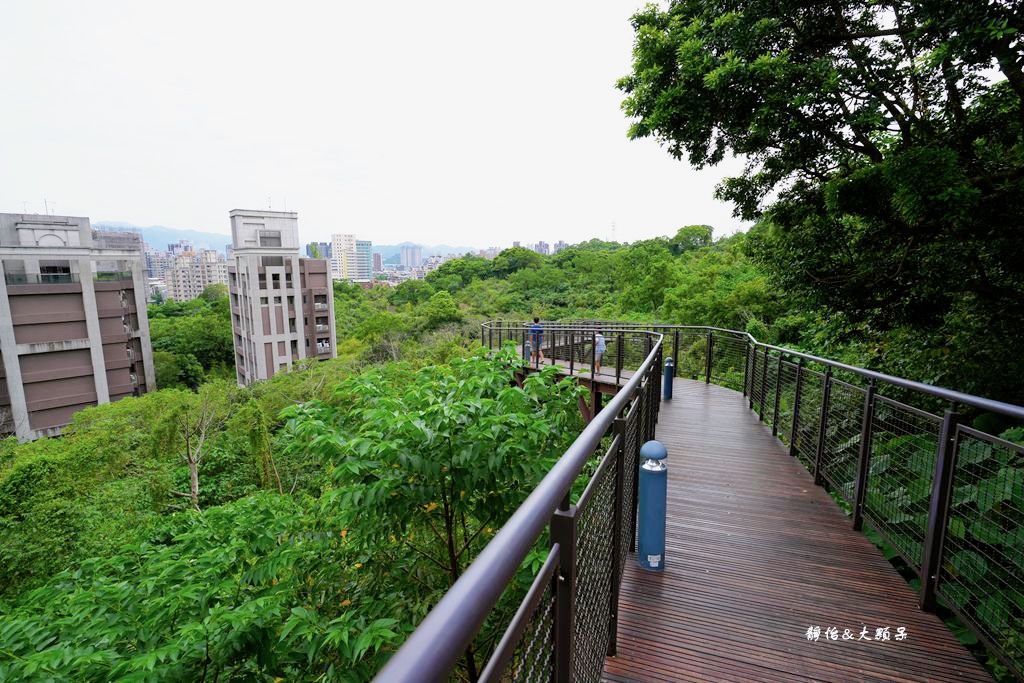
{"x":755,"y":555}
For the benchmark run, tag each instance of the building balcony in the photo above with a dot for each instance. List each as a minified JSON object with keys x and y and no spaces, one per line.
{"x":40,"y":278}
{"x":112,"y":276}
{"x":319,"y":306}
{"x":322,"y":328}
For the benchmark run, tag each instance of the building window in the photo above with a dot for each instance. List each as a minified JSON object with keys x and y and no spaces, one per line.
{"x":263,"y":301}
{"x":270,"y":238}
{"x":277,"y":299}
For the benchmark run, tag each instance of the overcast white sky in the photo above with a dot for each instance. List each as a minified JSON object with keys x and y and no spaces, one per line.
{"x":466,"y":123}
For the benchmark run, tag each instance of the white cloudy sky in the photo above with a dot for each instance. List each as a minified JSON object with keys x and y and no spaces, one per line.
{"x":469,"y":123}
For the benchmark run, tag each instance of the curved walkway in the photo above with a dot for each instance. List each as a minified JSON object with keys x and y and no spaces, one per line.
{"x":757,"y":556}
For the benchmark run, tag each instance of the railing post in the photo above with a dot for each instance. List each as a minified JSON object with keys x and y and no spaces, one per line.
{"x":572,"y":352}
{"x":826,"y":394}
{"x":619,"y":429}
{"x":500,"y":328}
{"x":938,"y":510}
{"x":764,"y":384}
{"x":746,"y":366}
{"x":563,"y":532}
{"x":593,"y":356}
{"x":618,"y":358}
{"x":794,"y":430}
{"x":864,"y":461}
{"x":752,"y":352}
{"x":707,"y":360}
{"x":675,"y":352}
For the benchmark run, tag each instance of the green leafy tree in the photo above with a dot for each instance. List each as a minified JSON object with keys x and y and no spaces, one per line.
{"x":177,"y":372}
{"x":441,"y":309}
{"x":515,"y":259}
{"x":884,"y":167}
{"x":427,"y":465}
{"x":411,"y":292}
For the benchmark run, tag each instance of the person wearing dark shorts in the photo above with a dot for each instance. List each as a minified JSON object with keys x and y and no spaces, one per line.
{"x":536,"y":335}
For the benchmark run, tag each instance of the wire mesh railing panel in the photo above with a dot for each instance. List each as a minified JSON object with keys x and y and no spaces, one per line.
{"x":770,"y":376}
{"x":805,"y":441}
{"x":530,"y":636}
{"x":904,"y":443}
{"x":630,"y":465}
{"x":786,"y":393}
{"x":728,"y":357}
{"x":756,"y":378}
{"x":982,"y":571}
{"x":692,"y":362}
{"x":593,"y":578}
{"x":841,"y":448}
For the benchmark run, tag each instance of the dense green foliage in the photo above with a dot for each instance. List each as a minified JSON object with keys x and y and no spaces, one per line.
{"x":884,"y":168}
{"x":397,"y":478}
{"x":192,"y":339}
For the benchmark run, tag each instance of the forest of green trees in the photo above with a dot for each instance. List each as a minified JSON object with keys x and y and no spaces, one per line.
{"x":298,"y":529}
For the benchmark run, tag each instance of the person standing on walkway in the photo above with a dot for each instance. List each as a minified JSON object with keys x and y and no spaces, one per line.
{"x":599,"y":349}
{"x":536,"y":335}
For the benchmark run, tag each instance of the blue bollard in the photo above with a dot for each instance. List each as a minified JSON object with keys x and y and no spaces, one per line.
{"x":666,"y":382}
{"x":651,"y":515}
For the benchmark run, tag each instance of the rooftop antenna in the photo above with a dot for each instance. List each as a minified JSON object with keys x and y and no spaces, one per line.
{"x":269,"y":207}
{"x":46,"y":207}
{"x":613,"y":230}
{"x":24,"y":207}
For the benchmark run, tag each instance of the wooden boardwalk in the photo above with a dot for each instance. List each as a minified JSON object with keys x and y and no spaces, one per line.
{"x":755,"y":556}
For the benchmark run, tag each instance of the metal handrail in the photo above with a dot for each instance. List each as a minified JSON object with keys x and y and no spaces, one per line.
{"x":463,"y":609}
{"x":950,"y":395}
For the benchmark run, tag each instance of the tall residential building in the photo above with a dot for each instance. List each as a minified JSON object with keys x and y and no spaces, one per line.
{"x":542,"y":248}
{"x":282,"y":306}
{"x":73,"y":325}
{"x":559,"y":246}
{"x":363,"y":260}
{"x":351,"y":259}
{"x":343,"y":251}
{"x":158,"y":263}
{"x":194,"y":272}
{"x":378,"y":263}
{"x":412,"y":257}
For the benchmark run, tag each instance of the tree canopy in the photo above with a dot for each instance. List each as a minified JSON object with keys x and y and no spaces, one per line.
{"x":885,"y":168}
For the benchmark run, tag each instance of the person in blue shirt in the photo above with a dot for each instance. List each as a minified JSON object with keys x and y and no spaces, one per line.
{"x":536,"y":335}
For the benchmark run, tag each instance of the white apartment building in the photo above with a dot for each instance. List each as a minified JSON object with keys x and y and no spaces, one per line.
{"x":193,"y":272}
{"x":282,"y":306}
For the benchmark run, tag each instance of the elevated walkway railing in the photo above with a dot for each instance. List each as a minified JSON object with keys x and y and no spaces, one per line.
{"x":947,"y":498}
{"x":565,"y":623}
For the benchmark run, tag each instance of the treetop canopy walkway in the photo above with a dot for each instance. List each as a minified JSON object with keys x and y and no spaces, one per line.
{"x":766,"y":577}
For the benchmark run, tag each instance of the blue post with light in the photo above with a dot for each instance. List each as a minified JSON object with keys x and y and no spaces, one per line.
{"x":666,"y":381}
{"x":653,"y":492}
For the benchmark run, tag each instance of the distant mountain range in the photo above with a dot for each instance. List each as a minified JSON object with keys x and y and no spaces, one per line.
{"x":159,"y":236}
{"x":391,"y":254}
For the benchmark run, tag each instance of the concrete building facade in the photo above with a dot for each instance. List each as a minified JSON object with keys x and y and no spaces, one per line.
{"x":194,"y":272}
{"x":282,"y":306}
{"x":73,"y":325}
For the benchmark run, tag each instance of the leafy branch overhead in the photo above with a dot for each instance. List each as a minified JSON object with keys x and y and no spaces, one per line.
{"x":884,"y":165}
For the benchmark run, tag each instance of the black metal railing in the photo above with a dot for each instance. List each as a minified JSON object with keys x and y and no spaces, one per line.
{"x":946,"y":497}
{"x":566,"y":623}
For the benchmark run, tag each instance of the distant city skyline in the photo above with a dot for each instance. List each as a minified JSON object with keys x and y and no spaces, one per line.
{"x":360,"y":119}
